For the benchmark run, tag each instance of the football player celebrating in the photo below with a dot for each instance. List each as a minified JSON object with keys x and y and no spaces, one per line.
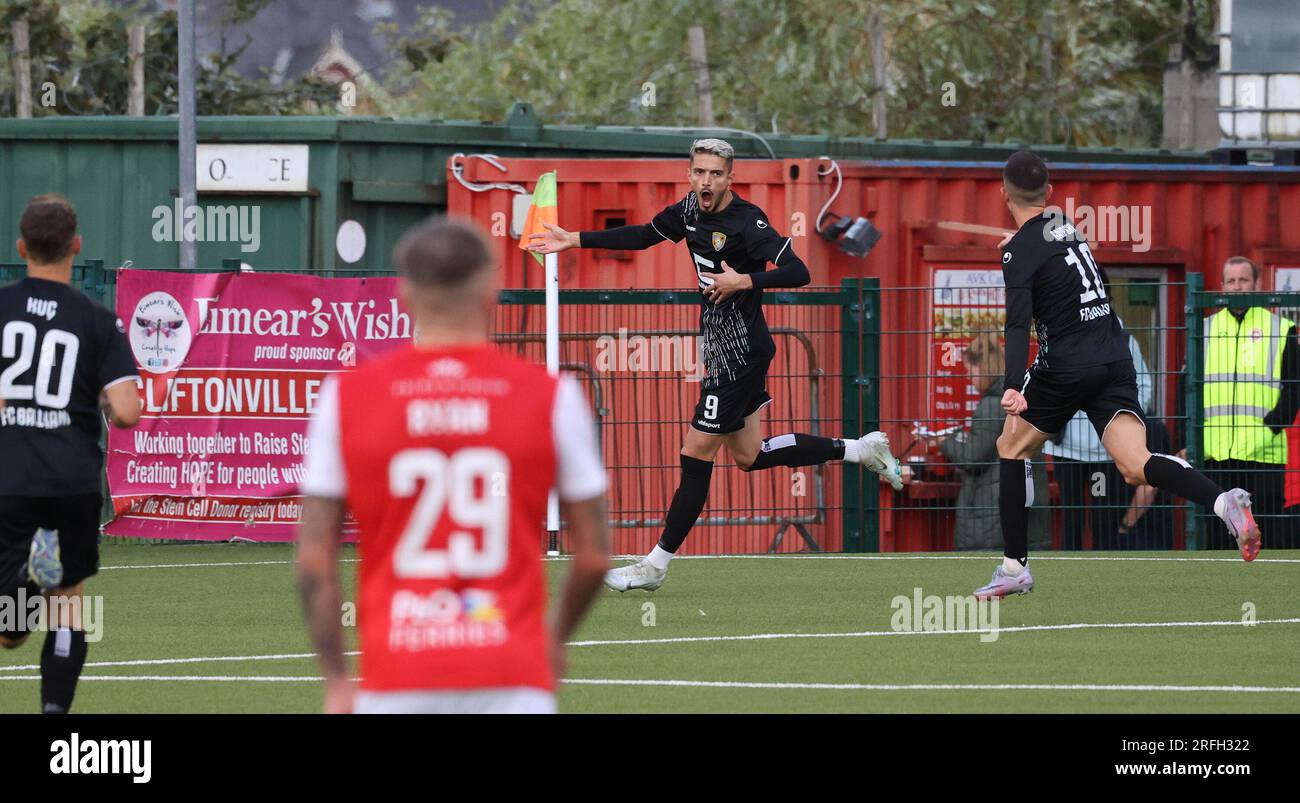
{"x":731,"y":241}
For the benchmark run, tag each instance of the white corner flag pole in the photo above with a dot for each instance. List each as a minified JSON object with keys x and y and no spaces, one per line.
{"x":553,"y":367}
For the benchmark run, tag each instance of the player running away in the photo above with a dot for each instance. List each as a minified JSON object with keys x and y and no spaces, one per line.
{"x":1083,"y":363}
{"x":445,"y":452}
{"x":731,"y":241}
{"x":64,"y":357}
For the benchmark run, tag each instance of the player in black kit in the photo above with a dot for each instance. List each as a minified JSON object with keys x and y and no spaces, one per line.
{"x":63,"y":357}
{"x":730,"y":242}
{"x":1083,"y":363}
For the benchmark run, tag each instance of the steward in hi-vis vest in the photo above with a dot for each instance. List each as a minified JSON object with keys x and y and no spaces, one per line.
{"x":1250,"y":398}
{"x":1243,"y":383}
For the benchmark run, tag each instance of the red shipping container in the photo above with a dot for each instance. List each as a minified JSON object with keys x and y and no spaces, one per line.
{"x":1149,"y":224}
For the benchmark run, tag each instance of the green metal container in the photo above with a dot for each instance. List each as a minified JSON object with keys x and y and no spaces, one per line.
{"x":386,"y":174}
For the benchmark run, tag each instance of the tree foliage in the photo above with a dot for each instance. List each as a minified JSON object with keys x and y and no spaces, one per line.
{"x":81,"y":47}
{"x":1084,"y":73}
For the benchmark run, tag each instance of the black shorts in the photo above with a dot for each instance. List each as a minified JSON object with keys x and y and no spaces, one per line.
{"x":75,"y":517}
{"x":1101,"y":391}
{"x":724,"y":408}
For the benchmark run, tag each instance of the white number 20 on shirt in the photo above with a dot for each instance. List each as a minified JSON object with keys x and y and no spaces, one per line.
{"x":449,"y":489}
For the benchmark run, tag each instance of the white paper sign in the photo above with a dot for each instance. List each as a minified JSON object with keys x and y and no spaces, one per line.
{"x":252,"y":168}
{"x":1286,"y":280}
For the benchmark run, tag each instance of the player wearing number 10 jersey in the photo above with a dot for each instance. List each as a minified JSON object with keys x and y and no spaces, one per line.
{"x":445,"y":452}
{"x":1083,"y":363}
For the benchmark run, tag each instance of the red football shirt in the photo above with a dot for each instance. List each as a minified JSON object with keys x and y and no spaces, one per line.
{"x":446,"y":458}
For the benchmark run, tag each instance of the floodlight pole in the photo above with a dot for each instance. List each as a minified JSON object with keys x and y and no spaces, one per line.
{"x":186,"y":139}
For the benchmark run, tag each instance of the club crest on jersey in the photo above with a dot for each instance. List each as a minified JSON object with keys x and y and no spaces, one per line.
{"x":160,"y":333}
{"x":446,"y":368}
{"x":719,"y":240}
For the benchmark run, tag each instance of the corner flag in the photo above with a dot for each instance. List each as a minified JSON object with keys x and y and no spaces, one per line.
{"x":543,"y":210}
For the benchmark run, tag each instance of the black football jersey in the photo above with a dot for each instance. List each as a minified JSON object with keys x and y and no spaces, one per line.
{"x":58,"y":350}
{"x":1052,"y":278}
{"x":733,"y":333}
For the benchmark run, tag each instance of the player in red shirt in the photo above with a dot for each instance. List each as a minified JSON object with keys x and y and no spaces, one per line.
{"x":445,"y":452}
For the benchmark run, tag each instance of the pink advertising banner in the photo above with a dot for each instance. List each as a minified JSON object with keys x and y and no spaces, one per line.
{"x":231,"y":366}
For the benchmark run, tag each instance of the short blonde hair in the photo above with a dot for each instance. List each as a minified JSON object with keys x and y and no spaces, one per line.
{"x":716,"y":147}
{"x":985,"y":352}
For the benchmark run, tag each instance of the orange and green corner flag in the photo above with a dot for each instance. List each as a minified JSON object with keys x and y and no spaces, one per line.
{"x":543,"y":210}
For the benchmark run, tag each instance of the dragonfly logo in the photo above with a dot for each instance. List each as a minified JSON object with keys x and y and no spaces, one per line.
{"x":160,"y":333}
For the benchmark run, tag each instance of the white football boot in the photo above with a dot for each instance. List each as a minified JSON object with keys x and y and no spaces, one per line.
{"x":642,"y":575}
{"x":873,"y":451}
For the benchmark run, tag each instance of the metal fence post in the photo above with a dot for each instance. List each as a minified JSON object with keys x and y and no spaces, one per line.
{"x":1194,"y":316}
{"x":856,"y":535}
{"x":869,"y":381}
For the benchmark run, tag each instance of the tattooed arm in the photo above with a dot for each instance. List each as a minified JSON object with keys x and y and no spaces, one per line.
{"x":589,"y":541}
{"x":318,"y":587}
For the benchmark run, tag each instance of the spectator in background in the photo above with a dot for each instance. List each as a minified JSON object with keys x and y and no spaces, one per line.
{"x":1250,"y":396}
{"x":1093,"y":493}
{"x":975,"y":454}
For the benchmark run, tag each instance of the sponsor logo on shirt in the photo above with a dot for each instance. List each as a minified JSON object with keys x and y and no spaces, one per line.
{"x":445,"y":619}
{"x":1006,"y":257}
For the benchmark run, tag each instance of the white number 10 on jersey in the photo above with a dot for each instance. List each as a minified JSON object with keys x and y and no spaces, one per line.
{"x":449,"y":489}
{"x":1088,"y":294}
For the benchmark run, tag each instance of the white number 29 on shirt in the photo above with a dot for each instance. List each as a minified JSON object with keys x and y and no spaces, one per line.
{"x":450,"y":483}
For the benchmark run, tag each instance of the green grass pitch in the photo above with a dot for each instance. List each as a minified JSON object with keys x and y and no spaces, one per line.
{"x":238,"y":603}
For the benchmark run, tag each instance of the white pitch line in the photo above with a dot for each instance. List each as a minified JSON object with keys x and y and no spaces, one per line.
{"x":174,"y":661}
{"x":695,"y":639}
{"x":732,"y":684}
{"x":217,"y":678}
{"x":729,"y":684}
{"x":992,"y":557}
{"x":972,"y":631}
{"x":1098,"y":558}
{"x":204,"y":565}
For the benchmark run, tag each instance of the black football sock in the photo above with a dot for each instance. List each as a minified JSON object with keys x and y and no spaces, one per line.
{"x":1015,"y":495}
{"x":61,"y":660}
{"x":1176,"y":475}
{"x":797,"y":450}
{"x":688,"y":502}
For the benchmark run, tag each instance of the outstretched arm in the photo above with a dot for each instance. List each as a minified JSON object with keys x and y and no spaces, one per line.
{"x":667,"y":225}
{"x":623,"y":238}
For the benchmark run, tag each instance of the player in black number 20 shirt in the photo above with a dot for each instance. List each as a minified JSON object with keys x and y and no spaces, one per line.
{"x":730,"y":242}
{"x":63,"y":357}
{"x":1083,"y":363}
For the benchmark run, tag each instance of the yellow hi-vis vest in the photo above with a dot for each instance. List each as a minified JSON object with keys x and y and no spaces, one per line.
{"x":1243,"y":382}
